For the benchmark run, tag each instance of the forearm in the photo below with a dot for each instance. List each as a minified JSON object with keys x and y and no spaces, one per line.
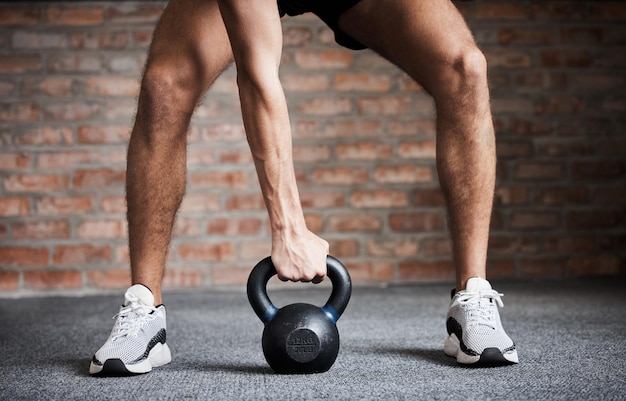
{"x":268,"y":131}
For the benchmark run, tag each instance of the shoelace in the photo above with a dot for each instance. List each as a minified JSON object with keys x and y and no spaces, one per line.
{"x":131,"y":317}
{"x":480,"y":307}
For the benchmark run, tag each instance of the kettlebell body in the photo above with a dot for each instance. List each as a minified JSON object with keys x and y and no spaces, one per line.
{"x":300,"y":338}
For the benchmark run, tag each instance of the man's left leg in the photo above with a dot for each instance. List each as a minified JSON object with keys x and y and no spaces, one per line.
{"x":431,"y":42}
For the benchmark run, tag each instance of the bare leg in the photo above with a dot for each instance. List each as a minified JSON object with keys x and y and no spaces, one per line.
{"x":189,"y":50}
{"x":431,"y":42}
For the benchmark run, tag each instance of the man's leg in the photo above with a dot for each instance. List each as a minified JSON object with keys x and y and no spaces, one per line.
{"x":190,"y":48}
{"x":431,"y":42}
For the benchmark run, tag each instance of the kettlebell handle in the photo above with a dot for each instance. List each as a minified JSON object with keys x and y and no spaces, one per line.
{"x":265,"y":309}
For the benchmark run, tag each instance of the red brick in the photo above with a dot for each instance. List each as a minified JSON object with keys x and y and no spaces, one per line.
{"x":378,"y":198}
{"x":296,"y":36}
{"x":565,"y":58}
{"x":305,"y":82}
{"x":593,"y":219}
{"x":37,"y":230}
{"x":336,"y":129}
{"x":322,"y":199}
{"x":310,"y":154}
{"x":19,"y":112}
{"x":14,"y":206}
{"x":500,"y":11}
{"x":44,"y":136}
{"x":23,"y":256}
{"x":329,"y":59}
{"x":583,"y":35}
{"x":234,"y":156}
{"x":14,"y":161}
{"x":57,"y":87}
{"x":344,"y":248}
{"x":354,"y":222}
{"x":539,"y":171}
{"x":134,"y":14}
{"x":9,"y":281}
{"x":177,"y":277}
{"x":206,"y":252}
{"x":99,"y":40}
{"x":511,"y":195}
{"x":534,"y":220}
{"x":314,"y":222}
{"x":234,"y":226}
{"x":103,"y":134}
{"x":254,"y":250}
{"x":110,"y":278}
{"x":340,"y":175}
{"x":525,"y":36}
{"x":101,"y":228}
{"x":613,"y":195}
{"x":598,"y":170}
{"x":71,"y":111}
{"x":75,"y":16}
{"x":514,"y":149}
{"x":363,"y":151}
{"x":81,"y":255}
{"x":35,"y":182}
{"x":508,"y":58}
{"x":68,"y":63}
{"x":20,"y":63}
{"x":425,"y":127}
{"x":385,"y":106}
{"x":99,"y":178}
{"x":371,"y":271}
{"x":319,"y":106}
{"x":64,"y":205}
{"x":416,"y":221}
{"x":230,"y":275}
{"x":426,"y":270}
{"x":512,"y":245}
{"x":611,"y":11}
{"x":428,"y":197}
{"x":569,"y":244}
{"x":19,"y":16}
{"x":436,"y":247}
{"x":185,"y":227}
{"x":559,"y":11}
{"x":418,"y":149}
{"x":219,"y":179}
{"x":501,"y":269}
{"x":600,"y":265}
{"x":53,"y":279}
{"x":563,"y":196}
{"x":113,"y":204}
{"x":403,"y":174}
{"x":362,"y":82}
{"x":32,"y":39}
{"x":542,"y":268}
{"x":245,"y":202}
{"x":111,"y":86}
{"x":393,"y":247}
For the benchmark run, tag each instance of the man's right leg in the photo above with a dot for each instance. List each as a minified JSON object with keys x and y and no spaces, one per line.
{"x":190,"y":48}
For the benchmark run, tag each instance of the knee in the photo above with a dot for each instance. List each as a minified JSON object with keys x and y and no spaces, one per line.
{"x":167,"y":94}
{"x":464,"y":76}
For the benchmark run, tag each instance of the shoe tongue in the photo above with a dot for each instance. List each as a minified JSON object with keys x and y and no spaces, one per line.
{"x":475,"y":284}
{"x":142,"y":293}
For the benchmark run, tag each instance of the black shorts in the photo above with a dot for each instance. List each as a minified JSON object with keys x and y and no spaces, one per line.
{"x":328,"y":11}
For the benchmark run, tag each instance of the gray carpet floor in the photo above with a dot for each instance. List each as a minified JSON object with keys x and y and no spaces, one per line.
{"x":570,"y":337}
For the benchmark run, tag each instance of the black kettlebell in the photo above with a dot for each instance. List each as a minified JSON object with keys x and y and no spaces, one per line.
{"x":300,"y":338}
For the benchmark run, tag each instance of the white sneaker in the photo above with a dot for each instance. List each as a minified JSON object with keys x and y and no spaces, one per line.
{"x":137,"y":341}
{"x":475,"y":333}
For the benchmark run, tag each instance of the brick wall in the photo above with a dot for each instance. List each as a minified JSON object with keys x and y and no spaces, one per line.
{"x":364,"y":144}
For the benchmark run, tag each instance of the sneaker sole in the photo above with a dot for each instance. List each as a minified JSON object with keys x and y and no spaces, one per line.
{"x":489,"y":356}
{"x":158,"y":356}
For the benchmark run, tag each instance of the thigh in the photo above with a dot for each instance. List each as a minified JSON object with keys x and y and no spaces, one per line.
{"x":422,"y":37}
{"x":191,"y":40}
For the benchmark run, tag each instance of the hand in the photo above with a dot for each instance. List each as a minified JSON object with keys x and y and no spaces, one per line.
{"x":299,"y":257}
